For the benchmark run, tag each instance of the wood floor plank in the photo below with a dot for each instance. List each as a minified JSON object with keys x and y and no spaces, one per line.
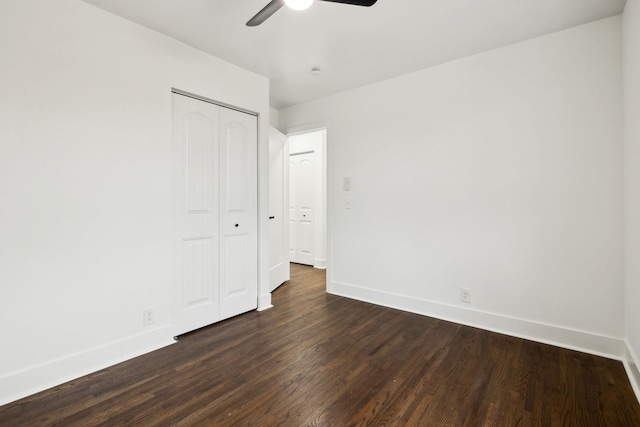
{"x":321,"y":360}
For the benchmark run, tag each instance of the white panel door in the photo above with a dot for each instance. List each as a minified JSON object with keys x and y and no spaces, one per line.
{"x":301,"y":197}
{"x":238,"y":213}
{"x":279,"y":270}
{"x":195,"y":159}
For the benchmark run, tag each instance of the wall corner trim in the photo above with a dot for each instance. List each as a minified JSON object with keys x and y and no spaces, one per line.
{"x":631,"y":365}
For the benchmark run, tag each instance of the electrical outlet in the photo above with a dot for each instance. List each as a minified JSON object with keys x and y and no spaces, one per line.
{"x":465,"y":295}
{"x":148,"y":316}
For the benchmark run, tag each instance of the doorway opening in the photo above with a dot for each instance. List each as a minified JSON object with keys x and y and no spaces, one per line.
{"x":308,"y":198}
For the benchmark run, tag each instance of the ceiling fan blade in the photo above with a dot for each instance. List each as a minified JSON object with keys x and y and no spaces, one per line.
{"x":355,"y":2}
{"x":266,"y":12}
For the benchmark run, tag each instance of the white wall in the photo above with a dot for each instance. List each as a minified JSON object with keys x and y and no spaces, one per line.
{"x":316,"y":141}
{"x":499,"y":172}
{"x":85,"y":185}
{"x":631,"y":33}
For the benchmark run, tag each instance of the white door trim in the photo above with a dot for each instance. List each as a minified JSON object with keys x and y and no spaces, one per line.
{"x":328,"y":201}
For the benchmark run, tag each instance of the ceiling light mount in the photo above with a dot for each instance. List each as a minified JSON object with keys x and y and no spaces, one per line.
{"x":298,"y":4}
{"x":274,"y":5}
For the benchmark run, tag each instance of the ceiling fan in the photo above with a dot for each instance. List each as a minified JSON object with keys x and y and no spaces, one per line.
{"x":275,"y":5}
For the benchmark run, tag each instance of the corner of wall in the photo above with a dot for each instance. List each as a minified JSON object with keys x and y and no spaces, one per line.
{"x":631,"y":141}
{"x":274,"y":118}
{"x":631,"y":366}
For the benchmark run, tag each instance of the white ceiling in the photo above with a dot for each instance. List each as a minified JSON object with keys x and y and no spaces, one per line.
{"x":354,"y":46}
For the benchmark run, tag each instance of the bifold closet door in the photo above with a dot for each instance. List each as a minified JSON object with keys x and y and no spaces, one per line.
{"x":215,"y":188}
{"x":238,"y":212}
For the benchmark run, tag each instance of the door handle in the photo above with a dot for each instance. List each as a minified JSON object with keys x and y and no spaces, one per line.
{"x":272,"y":217}
{"x":237,"y":225}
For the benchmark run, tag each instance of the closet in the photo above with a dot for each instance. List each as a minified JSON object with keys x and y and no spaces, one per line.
{"x":214,"y":156}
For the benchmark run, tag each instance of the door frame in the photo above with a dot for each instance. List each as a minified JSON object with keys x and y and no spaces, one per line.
{"x":328,"y":197}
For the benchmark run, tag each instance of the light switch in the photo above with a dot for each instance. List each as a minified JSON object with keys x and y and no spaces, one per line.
{"x":346,"y":183}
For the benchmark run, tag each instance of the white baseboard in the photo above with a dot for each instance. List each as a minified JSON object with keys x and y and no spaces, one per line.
{"x":38,"y":378}
{"x":631,"y":366}
{"x":320,"y":263}
{"x":264,"y":302}
{"x":600,"y":345}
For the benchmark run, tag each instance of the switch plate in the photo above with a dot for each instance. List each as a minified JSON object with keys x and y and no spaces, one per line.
{"x":346,"y":183}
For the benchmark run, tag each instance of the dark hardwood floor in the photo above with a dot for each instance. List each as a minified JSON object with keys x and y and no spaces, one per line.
{"x":322,"y":360}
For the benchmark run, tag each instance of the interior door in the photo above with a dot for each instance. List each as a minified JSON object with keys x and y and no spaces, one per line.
{"x":301,"y":197}
{"x":238,"y":213}
{"x":216,"y":195}
{"x":195,"y":159}
{"x":279,"y":270}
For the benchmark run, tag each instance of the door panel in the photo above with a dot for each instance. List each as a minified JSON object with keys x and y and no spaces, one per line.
{"x":238,"y":213}
{"x":302,"y":199}
{"x":198,"y":272}
{"x":195,"y":156}
{"x":235,"y":146}
{"x":200,"y":143}
{"x":235,"y":273}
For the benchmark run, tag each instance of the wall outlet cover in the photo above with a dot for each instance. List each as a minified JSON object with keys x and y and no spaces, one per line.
{"x":148,"y":316}
{"x":465,"y":295}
